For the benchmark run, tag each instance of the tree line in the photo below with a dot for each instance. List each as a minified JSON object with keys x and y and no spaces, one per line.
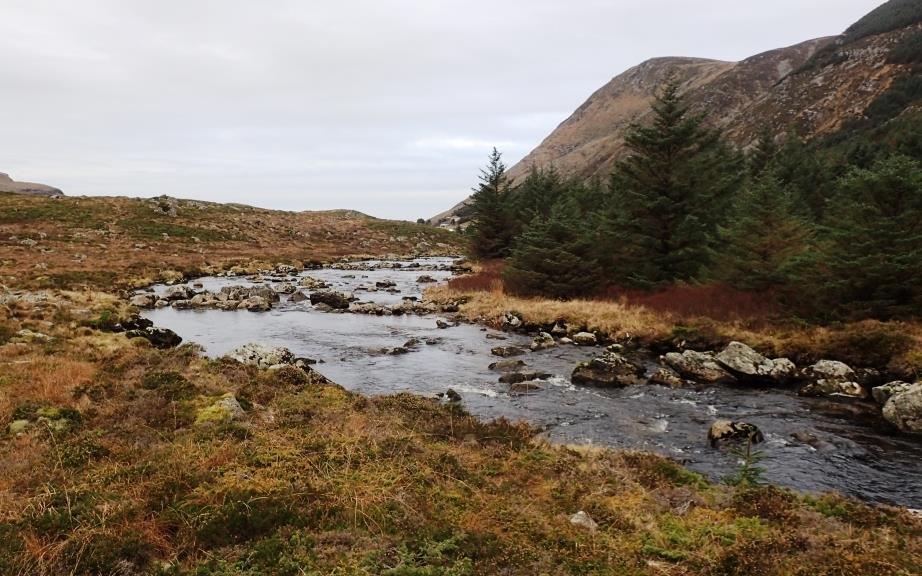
{"x":829,"y":228}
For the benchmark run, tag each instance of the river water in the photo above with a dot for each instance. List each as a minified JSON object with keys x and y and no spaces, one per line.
{"x":848,"y":452}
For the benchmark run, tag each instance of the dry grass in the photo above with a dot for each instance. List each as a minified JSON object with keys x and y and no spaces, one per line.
{"x":315,"y":480}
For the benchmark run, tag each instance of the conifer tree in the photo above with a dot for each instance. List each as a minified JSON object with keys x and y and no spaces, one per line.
{"x":536,"y":195}
{"x":492,"y":228}
{"x":554,"y":256}
{"x":669,"y":195}
{"x":874,"y":230}
{"x":766,"y":238}
{"x":762,"y":154}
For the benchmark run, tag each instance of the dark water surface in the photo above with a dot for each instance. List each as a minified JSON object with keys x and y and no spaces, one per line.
{"x":854,"y":456}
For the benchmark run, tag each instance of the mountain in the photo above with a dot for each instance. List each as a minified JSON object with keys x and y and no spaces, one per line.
{"x":812,"y":89}
{"x":8,"y":185}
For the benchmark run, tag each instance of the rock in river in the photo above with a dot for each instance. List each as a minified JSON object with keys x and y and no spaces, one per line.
{"x":523,"y":376}
{"x":883,"y":393}
{"x":585,"y":339}
{"x":543,"y":341}
{"x":507,"y":351}
{"x":335,"y":300}
{"x":507,"y":365}
{"x":728,"y":430}
{"x":745,"y":363}
{"x":260,"y":355}
{"x":698,"y":366}
{"x":831,"y":378}
{"x":904,"y":410}
{"x":608,"y":370}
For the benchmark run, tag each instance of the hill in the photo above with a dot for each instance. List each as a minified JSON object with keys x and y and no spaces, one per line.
{"x":812,"y":89}
{"x":8,"y":185}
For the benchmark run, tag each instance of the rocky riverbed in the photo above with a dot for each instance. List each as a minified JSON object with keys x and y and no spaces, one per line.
{"x":369,"y":329}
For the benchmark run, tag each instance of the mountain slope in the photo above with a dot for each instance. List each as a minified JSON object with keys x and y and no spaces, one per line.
{"x":812,"y":88}
{"x":9,"y":185}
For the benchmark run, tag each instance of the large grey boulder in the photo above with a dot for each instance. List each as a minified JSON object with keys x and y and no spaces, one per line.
{"x":262,"y":356}
{"x":904,"y":410}
{"x":181,"y":292}
{"x":745,"y":363}
{"x":699,"y":367}
{"x":607,"y":370}
{"x":831,"y":378}
{"x":882,"y":394}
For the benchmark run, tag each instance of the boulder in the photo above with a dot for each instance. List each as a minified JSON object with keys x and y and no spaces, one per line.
{"x":312,"y":283}
{"x":523,"y":376}
{"x":507,"y":365}
{"x":524,"y":387}
{"x":425,"y":279}
{"x":904,"y":409}
{"x":543,"y":341}
{"x":831,"y":378}
{"x":285,"y":288}
{"x":335,"y":300}
{"x":882,"y":394}
{"x":285,"y":269}
{"x":441,"y":324}
{"x":511,"y":321}
{"x":181,"y":292}
{"x":607,"y":370}
{"x":262,"y":356}
{"x":724,"y":430}
{"x":747,"y":364}
{"x":385,"y":284}
{"x":161,"y":338}
{"x":698,"y":366}
{"x":585,"y":339}
{"x":143,"y":300}
{"x":667,"y":377}
{"x":255,"y":304}
{"x":584,"y":521}
{"x":507,"y":351}
{"x":225,"y":410}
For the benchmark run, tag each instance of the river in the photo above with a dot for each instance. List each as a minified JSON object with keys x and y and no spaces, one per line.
{"x":856,"y":456}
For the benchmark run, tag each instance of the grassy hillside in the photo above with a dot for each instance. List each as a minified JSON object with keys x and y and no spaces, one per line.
{"x":117,"y":242}
{"x":889,"y":16}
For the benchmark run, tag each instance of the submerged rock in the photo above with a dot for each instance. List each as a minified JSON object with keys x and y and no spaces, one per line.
{"x":904,"y":409}
{"x":507,"y":351}
{"x":724,"y":430}
{"x":297,"y":296}
{"x":607,"y":370}
{"x":507,"y":365}
{"x":523,"y":376}
{"x":698,"y":366}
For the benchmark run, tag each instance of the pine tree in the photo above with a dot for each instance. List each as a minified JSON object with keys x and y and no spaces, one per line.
{"x":805,"y":174}
{"x":492,"y":229}
{"x":536,"y":195}
{"x":766,"y":238}
{"x":669,"y":195}
{"x":762,"y":153}
{"x":874,"y":230}
{"x":554,"y":256}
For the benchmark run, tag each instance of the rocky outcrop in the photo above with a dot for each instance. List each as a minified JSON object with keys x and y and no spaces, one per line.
{"x":10,"y":186}
{"x":700,"y":367}
{"x":831,"y":378}
{"x":904,"y":409}
{"x":262,"y":356}
{"x":747,"y":364}
{"x":161,"y":338}
{"x":609,"y":370}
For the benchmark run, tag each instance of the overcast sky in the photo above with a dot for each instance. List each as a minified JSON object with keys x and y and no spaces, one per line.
{"x":383,"y":106}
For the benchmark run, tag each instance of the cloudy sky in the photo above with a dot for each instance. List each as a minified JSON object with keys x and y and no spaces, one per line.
{"x":384,"y":106}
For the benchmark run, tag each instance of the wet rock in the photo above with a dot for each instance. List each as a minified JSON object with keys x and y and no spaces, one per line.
{"x":452,"y":395}
{"x":385,"y":284}
{"x":565,"y":341}
{"x":831,"y":378}
{"x":496,"y":337}
{"x":178,"y":293}
{"x":698,"y":366}
{"x":285,"y":269}
{"x":161,"y":338}
{"x":181,"y":304}
{"x":813,"y":441}
{"x":584,"y":521}
{"x":904,"y":410}
{"x":543,"y":341}
{"x":441,"y":324}
{"x":507,"y":365}
{"x":285,"y":288}
{"x":225,"y":410}
{"x":335,"y":300}
{"x":262,"y":356}
{"x":425,"y":279}
{"x":298,"y":296}
{"x":312,"y":283}
{"x":523,"y":376}
{"x":255,"y":304}
{"x":133,"y":323}
{"x":161,"y":303}
{"x":322,"y":307}
{"x":511,"y":321}
{"x":607,"y":370}
{"x":883,"y":393}
{"x":724,"y":430}
{"x":507,"y":351}
{"x":203,"y":300}
{"x":667,"y":377}
{"x":745,"y":363}
{"x":524,"y":388}
{"x":143,"y":300}
{"x":585,"y":339}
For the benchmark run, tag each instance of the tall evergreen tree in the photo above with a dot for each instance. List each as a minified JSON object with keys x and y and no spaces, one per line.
{"x":874,"y":230}
{"x":669,"y":195}
{"x":536,"y":195}
{"x":766,"y":238}
{"x":762,"y":153}
{"x":492,"y":228}
{"x":803,"y":171}
{"x":554,"y":256}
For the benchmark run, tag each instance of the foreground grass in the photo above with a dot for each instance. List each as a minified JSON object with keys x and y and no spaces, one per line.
{"x":316,"y":480}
